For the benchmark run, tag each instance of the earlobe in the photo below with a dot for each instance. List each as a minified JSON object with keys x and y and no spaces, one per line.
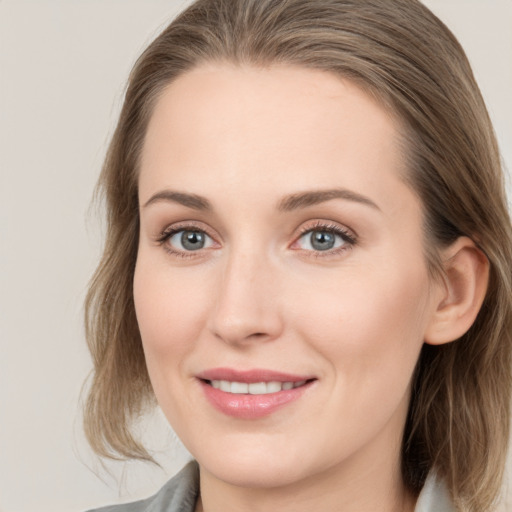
{"x":460,"y":293}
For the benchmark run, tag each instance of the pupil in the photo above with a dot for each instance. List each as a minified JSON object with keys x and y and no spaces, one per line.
{"x":192,"y":240}
{"x":322,"y":240}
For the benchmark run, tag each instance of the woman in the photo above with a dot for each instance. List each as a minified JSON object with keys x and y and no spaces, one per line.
{"x":307,"y":263}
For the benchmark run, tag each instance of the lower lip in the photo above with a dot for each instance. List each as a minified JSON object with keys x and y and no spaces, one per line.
{"x":250,"y":407}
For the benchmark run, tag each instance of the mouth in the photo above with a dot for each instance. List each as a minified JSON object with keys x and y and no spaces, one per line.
{"x":255,"y":388}
{"x":252,"y":394}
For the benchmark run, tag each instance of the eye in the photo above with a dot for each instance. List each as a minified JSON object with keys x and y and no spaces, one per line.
{"x":180,"y":241}
{"x":325,"y":238}
{"x":320,"y":241}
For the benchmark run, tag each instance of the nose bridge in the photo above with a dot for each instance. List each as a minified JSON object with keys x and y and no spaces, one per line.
{"x":246,"y":303}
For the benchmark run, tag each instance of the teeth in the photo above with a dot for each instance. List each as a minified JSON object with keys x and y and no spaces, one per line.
{"x":239,"y":388}
{"x":273,"y":387}
{"x":224,"y":385}
{"x":254,"y":388}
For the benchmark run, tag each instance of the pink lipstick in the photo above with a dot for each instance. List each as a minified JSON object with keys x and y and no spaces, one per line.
{"x":252,"y":394}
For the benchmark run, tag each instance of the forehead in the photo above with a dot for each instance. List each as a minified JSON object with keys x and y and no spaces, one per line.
{"x":283,"y":125}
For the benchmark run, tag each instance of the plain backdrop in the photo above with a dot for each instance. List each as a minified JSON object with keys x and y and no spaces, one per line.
{"x":63,"y":66}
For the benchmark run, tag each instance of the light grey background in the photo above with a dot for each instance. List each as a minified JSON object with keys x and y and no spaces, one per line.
{"x":63,"y":65}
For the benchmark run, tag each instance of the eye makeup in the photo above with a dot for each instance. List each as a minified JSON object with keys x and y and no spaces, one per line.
{"x":319,"y":239}
{"x":193,"y":233}
{"x":342,"y":239}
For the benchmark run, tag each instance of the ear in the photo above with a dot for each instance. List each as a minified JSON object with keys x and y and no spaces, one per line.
{"x":460,"y":293}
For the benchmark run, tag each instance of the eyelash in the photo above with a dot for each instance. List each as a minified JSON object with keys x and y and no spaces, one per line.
{"x":167,"y":233}
{"x":348,"y":238}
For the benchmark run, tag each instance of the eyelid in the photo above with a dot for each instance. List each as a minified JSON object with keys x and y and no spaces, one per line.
{"x":348,"y":236}
{"x":328,"y":225}
{"x":191,"y":225}
{"x":168,"y":232}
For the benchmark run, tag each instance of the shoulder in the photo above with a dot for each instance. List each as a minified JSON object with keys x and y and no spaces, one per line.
{"x":434,"y":497}
{"x":179,"y":494}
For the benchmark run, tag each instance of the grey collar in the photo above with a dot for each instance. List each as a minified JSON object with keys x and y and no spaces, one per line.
{"x":434,"y":497}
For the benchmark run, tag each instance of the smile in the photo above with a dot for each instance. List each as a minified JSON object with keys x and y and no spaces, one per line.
{"x":253,"y":394}
{"x":254,"y":388}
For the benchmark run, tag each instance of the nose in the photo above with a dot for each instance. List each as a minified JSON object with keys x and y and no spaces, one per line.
{"x":247,"y":308}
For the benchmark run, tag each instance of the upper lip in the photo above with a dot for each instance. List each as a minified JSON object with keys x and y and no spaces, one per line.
{"x":248,"y":376}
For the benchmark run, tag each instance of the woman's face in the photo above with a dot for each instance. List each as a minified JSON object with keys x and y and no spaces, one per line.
{"x":279,"y":248}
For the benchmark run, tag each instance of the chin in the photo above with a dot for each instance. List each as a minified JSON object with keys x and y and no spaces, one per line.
{"x":253,"y":473}
{"x":258,"y":465}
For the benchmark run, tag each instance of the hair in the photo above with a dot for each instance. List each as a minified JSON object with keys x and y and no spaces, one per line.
{"x":397,"y":50}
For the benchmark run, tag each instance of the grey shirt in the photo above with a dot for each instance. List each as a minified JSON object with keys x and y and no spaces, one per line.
{"x":180,"y":494}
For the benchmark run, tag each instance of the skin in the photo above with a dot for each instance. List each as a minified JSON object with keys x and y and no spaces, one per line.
{"x":258,"y":295}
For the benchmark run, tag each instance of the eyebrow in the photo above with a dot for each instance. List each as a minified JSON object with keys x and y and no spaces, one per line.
{"x":287,"y":204}
{"x":189,"y":200}
{"x":311,"y":198}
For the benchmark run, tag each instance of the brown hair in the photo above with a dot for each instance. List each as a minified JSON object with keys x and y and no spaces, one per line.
{"x":458,"y":422}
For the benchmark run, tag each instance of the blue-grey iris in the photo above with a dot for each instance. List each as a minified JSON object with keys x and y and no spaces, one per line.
{"x":322,"y":240}
{"x":192,"y":240}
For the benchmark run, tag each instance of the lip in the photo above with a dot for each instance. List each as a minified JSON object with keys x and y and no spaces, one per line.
{"x":251,"y":376}
{"x":246,"y":406}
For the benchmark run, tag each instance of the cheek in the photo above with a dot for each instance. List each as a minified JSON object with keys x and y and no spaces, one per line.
{"x":371,"y":328}
{"x":370,"y":332}
{"x":168,"y":307}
